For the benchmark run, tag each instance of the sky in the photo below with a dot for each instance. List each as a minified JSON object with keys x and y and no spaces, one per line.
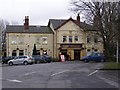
{"x":39,"y":11}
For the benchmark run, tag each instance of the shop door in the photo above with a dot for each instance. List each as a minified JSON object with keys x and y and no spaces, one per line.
{"x":76,"y":54}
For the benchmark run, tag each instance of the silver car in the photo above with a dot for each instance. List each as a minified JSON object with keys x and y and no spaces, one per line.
{"x":21,"y":60}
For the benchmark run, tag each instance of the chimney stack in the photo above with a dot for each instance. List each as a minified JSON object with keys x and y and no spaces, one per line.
{"x":26,"y":24}
{"x":78,"y":19}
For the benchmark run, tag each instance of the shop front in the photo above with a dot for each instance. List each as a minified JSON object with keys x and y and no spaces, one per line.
{"x":74,"y":51}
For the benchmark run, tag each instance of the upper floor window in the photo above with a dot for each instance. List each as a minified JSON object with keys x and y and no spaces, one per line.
{"x":70,"y":38}
{"x":95,"y":39}
{"x":37,"y":40}
{"x":64,"y":38}
{"x":44,"y":40}
{"x":88,"y":39}
{"x":17,"y":40}
{"x":14,"y":40}
{"x":76,"y":38}
{"x":20,"y":40}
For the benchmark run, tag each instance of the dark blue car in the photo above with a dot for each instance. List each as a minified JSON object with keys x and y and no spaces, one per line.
{"x":98,"y":57}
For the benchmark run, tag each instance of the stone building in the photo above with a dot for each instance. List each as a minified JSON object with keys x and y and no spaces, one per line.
{"x":21,"y":39}
{"x":61,"y":36}
{"x":74,"y":38}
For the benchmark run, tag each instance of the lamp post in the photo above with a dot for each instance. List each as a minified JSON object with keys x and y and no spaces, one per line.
{"x":117,"y":53}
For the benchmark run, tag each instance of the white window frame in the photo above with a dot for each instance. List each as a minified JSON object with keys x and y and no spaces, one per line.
{"x":46,"y":41}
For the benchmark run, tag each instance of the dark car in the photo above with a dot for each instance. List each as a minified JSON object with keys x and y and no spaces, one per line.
{"x":42,"y":58}
{"x":98,"y":57}
{"x":47,"y":58}
{"x":38,"y":59}
{"x":6,"y":59}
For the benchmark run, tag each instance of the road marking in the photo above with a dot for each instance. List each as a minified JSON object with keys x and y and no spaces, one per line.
{"x":15,"y":81}
{"x":59,"y":72}
{"x":93,"y":72}
{"x":29,"y":73}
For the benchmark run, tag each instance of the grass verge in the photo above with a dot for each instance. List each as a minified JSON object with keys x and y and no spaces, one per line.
{"x":111,"y":65}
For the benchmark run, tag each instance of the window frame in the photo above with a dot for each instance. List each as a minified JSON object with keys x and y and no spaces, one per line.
{"x":46,"y":41}
{"x":70,"y":39}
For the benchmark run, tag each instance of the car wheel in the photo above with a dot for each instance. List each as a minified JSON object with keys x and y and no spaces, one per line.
{"x":38,"y":62}
{"x":102,"y":60}
{"x":10,"y":63}
{"x":25,"y":63}
{"x":86,"y":61}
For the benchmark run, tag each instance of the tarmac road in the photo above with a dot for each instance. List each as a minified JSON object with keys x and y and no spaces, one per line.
{"x":75,"y":74}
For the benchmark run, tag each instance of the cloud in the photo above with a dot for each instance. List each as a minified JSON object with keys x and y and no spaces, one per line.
{"x":39,"y":11}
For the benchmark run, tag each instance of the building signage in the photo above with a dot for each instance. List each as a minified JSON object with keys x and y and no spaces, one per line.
{"x":71,"y":45}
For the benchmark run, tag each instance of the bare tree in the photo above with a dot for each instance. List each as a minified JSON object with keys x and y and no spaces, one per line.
{"x":103,"y":15}
{"x":3,"y":24}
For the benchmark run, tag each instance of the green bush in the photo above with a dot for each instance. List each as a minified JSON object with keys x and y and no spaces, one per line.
{"x":111,"y":65}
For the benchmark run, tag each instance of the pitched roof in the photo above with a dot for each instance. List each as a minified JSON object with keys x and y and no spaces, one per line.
{"x":32,"y":29}
{"x":57,"y":23}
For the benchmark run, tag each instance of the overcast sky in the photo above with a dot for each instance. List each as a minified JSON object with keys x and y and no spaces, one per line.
{"x":39,"y":11}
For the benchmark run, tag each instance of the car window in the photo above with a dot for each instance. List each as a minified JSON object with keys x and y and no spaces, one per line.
{"x":25,"y":56}
{"x":16,"y":57}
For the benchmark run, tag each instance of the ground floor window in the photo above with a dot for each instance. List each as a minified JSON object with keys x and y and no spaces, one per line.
{"x":63,"y":52}
{"x":21,"y":52}
{"x":44,"y":52}
{"x":38,"y":52}
{"x":14,"y":53}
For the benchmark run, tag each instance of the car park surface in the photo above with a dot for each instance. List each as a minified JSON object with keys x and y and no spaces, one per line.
{"x":71,"y":74}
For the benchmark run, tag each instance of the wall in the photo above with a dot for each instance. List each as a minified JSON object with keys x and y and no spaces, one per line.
{"x":28,"y":42}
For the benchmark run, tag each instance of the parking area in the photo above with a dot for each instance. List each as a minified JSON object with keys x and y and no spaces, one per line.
{"x":71,"y":74}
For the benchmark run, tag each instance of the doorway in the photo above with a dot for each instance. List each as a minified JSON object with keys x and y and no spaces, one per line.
{"x":63,"y":52}
{"x":76,"y":54}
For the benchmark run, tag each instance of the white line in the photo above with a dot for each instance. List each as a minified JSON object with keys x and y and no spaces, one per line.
{"x":59,"y":72}
{"x":15,"y":81}
{"x":93,"y":72}
{"x":29,"y":73}
{"x":18,"y":81}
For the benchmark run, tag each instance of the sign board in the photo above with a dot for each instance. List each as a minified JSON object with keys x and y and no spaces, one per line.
{"x":62,"y":58}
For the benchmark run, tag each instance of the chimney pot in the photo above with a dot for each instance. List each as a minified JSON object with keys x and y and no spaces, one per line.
{"x":78,"y":19}
{"x":26,"y":24}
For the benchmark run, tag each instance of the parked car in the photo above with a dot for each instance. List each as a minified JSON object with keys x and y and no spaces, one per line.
{"x":98,"y":57}
{"x":38,"y":59}
{"x":47,"y":58}
{"x":42,"y":58}
{"x":21,"y":60}
{"x":6,"y":59}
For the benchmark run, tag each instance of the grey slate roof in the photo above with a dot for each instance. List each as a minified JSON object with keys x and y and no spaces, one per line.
{"x":57,"y":22}
{"x":32,"y":29}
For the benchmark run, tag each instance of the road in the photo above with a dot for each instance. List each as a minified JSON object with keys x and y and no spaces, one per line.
{"x":73,"y":74}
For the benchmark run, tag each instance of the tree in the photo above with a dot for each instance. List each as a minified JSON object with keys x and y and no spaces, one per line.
{"x":3,"y":24}
{"x":34,"y":50}
{"x":103,"y":16}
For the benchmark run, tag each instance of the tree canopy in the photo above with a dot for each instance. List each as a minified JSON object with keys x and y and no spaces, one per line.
{"x":104,"y":16}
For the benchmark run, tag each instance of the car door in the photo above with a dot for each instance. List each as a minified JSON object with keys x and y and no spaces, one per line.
{"x":21,"y":59}
{"x":93,"y":57}
{"x":16,"y":60}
